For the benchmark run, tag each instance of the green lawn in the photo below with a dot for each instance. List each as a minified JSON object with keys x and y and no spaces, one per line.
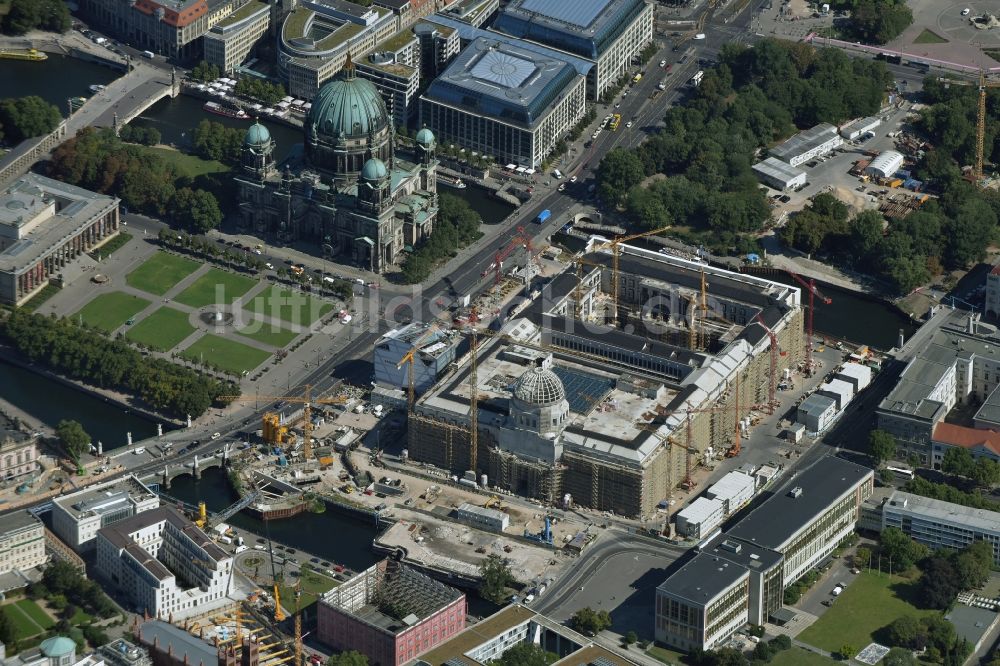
{"x":24,"y":626}
{"x":800,"y":657}
{"x":158,"y":274}
{"x":114,"y":244}
{"x":111,"y":310}
{"x":929,"y":37}
{"x":665,"y":655}
{"x":313,"y":585}
{"x":191,"y":166}
{"x":35,"y":612}
{"x":226,"y":354}
{"x":868,"y":604}
{"x":291,"y":306}
{"x":215,"y":286}
{"x":268,"y":334}
{"x":162,"y":330}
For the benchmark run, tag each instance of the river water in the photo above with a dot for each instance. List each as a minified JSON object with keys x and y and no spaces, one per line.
{"x":54,"y":79}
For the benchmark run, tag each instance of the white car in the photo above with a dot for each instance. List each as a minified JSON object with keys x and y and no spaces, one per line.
{"x":269,"y":266}
{"x":216,"y":435}
{"x":628,"y":124}
{"x":966,"y":11}
{"x":573,"y":179}
{"x":139,"y":450}
{"x":663,"y":63}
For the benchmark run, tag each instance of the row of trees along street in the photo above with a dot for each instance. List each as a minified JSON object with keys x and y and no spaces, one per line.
{"x":26,"y":117}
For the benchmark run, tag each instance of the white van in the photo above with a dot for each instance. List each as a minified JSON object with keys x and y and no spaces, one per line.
{"x":328,"y":279}
{"x":557,"y":173}
{"x":147,"y":54}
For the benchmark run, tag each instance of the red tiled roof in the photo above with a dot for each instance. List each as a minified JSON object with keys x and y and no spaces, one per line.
{"x":995,"y":270}
{"x":967,"y":438}
{"x":172,"y":17}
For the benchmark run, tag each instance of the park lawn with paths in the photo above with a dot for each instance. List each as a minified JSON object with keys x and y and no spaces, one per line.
{"x":313,"y":584}
{"x":929,"y":37}
{"x":797,"y":656}
{"x":268,"y":334}
{"x":191,"y":166}
{"x":109,"y":311}
{"x":35,"y":612}
{"x":202,"y":291}
{"x":164,"y":329}
{"x":229,"y":355}
{"x":158,"y":274}
{"x":871,"y":602}
{"x":24,"y":626}
{"x":293,"y":307}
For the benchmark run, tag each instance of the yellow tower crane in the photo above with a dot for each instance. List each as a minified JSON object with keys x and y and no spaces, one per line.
{"x":298,"y":624}
{"x":306,"y":400}
{"x":982,"y":85}
{"x":409,"y":357}
{"x":615,"y":245}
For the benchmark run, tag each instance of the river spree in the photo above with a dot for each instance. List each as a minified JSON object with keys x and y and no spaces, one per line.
{"x":55,"y":79}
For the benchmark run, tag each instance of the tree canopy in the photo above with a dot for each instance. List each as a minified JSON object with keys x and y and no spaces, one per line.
{"x":496,"y":576}
{"x":204,"y":71}
{"x":26,"y":117}
{"x":197,"y":210}
{"x":525,"y":654}
{"x":74,"y":439}
{"x":879,"y":21}
{"x":882,"y":446}
{"x":215,"y":141}
{"x":26,"y":15}
{"x":259,"y":89}
{"x":590,"y":622}
{"x":349,"y":658}
{"x":898,"y":550}
{"x":457,"y":225}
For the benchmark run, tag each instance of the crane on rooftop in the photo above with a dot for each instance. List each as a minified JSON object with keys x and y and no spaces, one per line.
{"x":615,"y":245}
{"x":810,"y":287}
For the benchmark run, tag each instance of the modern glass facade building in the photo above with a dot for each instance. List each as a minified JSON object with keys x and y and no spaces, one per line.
{"x":607,"y":32}
{"x":505,"y":101}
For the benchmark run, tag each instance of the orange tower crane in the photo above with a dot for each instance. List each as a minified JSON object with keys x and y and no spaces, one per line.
{"x":615,"y":244}
{"x":306,"y":400}
{"x":474,"y":391}
{"x":810,"y":287}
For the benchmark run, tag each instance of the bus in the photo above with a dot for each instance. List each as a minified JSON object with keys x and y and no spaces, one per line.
{"x":901,"y":472}
{"x":616,"y":120}
{"x":637,"y":78}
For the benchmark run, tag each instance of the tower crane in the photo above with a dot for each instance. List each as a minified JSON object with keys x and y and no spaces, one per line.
{"x":810,"y":287}
{"x":473,"y":392}
{"x":270,"y":420}
{"x":276,"y":577}
{"x":772,"y":379}
{"x":298,"y":623}
{"x":982,"y":85}
{"x":409,"y":357}
{"x":520,"y":240}
{"x":615,"y":245}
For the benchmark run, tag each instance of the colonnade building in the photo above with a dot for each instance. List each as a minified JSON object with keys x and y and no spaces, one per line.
{"x":44,"y":225}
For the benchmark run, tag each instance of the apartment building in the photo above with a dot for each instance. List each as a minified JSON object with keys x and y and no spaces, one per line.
{"x":231,"y":40}
{"x":77,"y":517}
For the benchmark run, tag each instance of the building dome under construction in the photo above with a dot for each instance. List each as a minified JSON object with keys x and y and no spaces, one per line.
{"x":539,"y":386}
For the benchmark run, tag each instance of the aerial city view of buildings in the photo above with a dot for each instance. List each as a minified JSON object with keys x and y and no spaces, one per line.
{"x":498,"y":333}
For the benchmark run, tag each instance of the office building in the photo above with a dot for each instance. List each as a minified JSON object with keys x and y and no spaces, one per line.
{"x":474,"y":12}
{"x":22,"y":542}
{"x":501,"y":100}
{"x":168,"y":27}
{"x":611,"y":34}
{"x":434,"y":350}
{"x":489,"y":638}
{"x":992,"y":305}
{"x":700,"y":518}
{"x":394,"y":68}
{"x":77,"y":517}
{"x":734,"y":490}
{"x":44,"y":225}
{"x":18,"y":452}
{"x":390,"y":613}
{"x":121,"y":652}
{"x":318,"y":36}
{"x":488,"y":520}
{"x":351,"y":193}
{"x":838,"y":390}
{"x":740,"y":576}
{"x":978,"y":442}
{"x":779,"y":175}
{"x":231,"y":40}
{"x":807,"y":144}
{"x":438,"y":45}
{"x":162,"y":564}
{"x":567,"y":408}
{"x":959,"y":365}
{"x":939,"y":524}
{"x":817,"y":412}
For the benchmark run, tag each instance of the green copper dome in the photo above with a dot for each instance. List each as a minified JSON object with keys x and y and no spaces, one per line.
{"x":57,"y":646}
{"x":374,"y":169}
{"x":346,"y":106}
{"x":425,"y":137}
{"x":257,"y":135}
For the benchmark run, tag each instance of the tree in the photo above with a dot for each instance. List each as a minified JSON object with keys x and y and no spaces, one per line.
{"x":196,"y":209}
{"x":203,"y":71}
{"x":618,"y":172}
{"x":590,"y":622}
{"x":972,"y":565}
{"x":26,"y":117}
{"x":901,"y":551}
{"x":903,"y":631}
{"x":862,"y":556}
{"x":940,"y":583}
{"x":898,"y":656}
{"x":26,"y":15}
{"x":866,"y":233}
{"x":957,"y":461}
{"x":882,"y":446}
{"x":349,"y":658}
{"x":525,"y":654}
{"x":880,"y":21}
{"x":496,"y":576}
{"x":631,"y":637}
{"x":846,"y":651}
{"x":74,"y":438}
{"x":215,"y":141}
{"x":985,"y":472}
{"x":8,"y":632}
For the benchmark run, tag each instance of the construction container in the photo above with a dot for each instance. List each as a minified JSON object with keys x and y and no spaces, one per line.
{"x":894,"y":182}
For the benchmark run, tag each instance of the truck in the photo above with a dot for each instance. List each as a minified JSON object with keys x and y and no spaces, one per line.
{"x":226,"y":540}
{"x":543,"y":216}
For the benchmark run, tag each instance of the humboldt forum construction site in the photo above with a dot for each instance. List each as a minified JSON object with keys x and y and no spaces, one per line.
{"x":610,"y":385}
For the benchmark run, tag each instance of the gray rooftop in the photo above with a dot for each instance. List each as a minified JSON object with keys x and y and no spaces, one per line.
{"x":475,"y":509}
{"x":584,"y":27}
{"x":816,"y":404}
{"x":979,"y":520}
{"x":104,"y":497}
{"x":118,"y":533}
{"x":775,"y":168}
{"x":17,"y":520}
{"x":500,"y":79}
{"x":181,"y":644}
{"x":972,"y":623}
{"x":804,"y":141}
{"x":781,"y":516}
{"x":702,"y":578}
{"x":27,"y":199}
{"x":744,"y":553}
{"x":989,"y":411}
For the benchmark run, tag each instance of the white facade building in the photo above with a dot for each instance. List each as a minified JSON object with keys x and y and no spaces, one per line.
{"x":842,"y":392}
{"x":489,"y":520}
{"x":807,"y":144}
{"x":701,"y":517}
{"x":859,"y":376}
{"x":230,"y":41}
{"x":164,"y":565}
{"x":77,"y":517}
{"x":885,"y":165}
{"x":859,"y":127}
{"x":779,"y":175}
{"x":939,"y":524}
{"x":734,"y":490}
{"x":434,"y":351}
{"x":22,"y":542}
{"x":817,"y":412}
